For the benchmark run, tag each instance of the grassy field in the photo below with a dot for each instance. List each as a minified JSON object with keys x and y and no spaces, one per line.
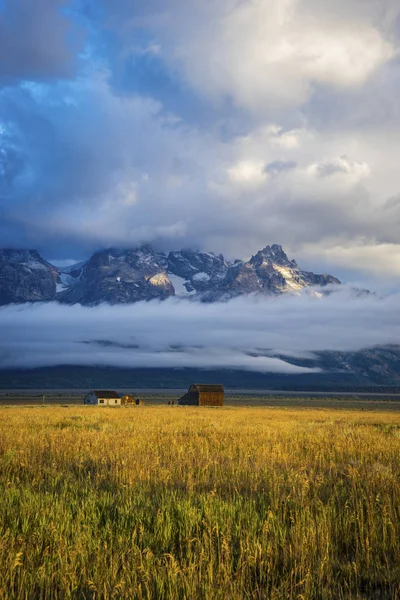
{"x":189,"y":503}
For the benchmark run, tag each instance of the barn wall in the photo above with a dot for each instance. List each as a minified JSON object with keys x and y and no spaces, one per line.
{"x":191,"y":399}
{"x":128,"y":400}
{"x":211,"y":399}
{"x":202,"y":398}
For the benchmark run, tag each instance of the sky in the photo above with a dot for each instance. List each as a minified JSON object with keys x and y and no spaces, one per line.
{"x":222,"y":126}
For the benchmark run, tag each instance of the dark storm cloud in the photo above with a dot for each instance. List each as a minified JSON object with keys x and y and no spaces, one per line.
{"x":242,"y":333}
{"x":37,"y":40}
{"x":94,"y":166}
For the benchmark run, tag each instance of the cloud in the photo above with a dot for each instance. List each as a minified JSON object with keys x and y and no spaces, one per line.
{"x":224,"y":126}
{"x":278,"y":166}
{"x":110,"y":170}
{"x":243,"y":333}
{"x":37,"y":40}
{"x":94,"y":168}
{"x":11,"y":164}
{"x":341,"y":165}
{"x":362,"y":258}
{"x":265,"y":54}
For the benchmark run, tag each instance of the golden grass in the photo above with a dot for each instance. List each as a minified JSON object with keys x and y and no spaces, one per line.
{"x":190,"y":503}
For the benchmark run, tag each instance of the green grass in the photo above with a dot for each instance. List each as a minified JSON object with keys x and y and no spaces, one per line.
{"x":182,"y":502}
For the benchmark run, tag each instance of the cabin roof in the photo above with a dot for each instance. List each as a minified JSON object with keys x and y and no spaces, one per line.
{"x":206,"y":387}
{"x":106,"y":394}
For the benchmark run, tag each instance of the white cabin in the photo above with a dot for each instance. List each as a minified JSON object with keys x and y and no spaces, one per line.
{"x":103,"y":398}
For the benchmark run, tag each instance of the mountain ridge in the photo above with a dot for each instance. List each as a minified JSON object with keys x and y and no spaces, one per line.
{"x":374,"y":370}
{"x":128,"y":275}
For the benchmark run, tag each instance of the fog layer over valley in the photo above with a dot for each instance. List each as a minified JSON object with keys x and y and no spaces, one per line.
{"x":251,"y":333}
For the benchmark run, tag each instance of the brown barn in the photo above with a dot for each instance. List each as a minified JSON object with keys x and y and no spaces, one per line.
{"x":200,"y":394}
{"x":128,"y":400}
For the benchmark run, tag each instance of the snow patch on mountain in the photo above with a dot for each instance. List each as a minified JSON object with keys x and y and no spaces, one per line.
{"x":179,"y":284}
{"x":201,"y":277}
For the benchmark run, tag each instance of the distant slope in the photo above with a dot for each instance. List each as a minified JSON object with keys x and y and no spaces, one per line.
{"x":376,"y":370}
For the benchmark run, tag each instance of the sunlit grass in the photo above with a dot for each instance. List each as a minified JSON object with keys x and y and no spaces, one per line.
{"x":183,"y":502}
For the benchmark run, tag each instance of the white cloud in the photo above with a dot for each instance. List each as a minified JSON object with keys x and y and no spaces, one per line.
{"x":341,"y":166}
{"x":248,"y":173}
{"x":380,"y":260}
{"x":269,"y":53}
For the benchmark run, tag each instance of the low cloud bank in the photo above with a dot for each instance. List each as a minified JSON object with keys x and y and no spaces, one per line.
{"x":244,"y":333}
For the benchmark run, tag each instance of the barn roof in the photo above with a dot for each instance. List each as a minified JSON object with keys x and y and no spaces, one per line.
{"x":106,"y":394}
{"x":206,"y":387}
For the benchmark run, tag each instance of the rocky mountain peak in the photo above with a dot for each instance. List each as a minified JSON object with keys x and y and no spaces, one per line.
{"x":125,"y":275}
{"x":31,"y":258}
{"x":26,"y":277}
{"x":186,"y":263}
{"x":140,"y":258}
{"x":121,"y":275}
{"x":273,"y":255}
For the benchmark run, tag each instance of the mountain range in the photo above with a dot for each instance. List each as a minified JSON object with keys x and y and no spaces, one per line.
{"x":121,"y":276}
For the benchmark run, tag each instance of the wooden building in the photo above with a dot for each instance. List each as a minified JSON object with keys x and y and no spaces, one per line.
{"x":103,"y":398}
{"x":128,"y":400}
{"x":200,"y":394}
